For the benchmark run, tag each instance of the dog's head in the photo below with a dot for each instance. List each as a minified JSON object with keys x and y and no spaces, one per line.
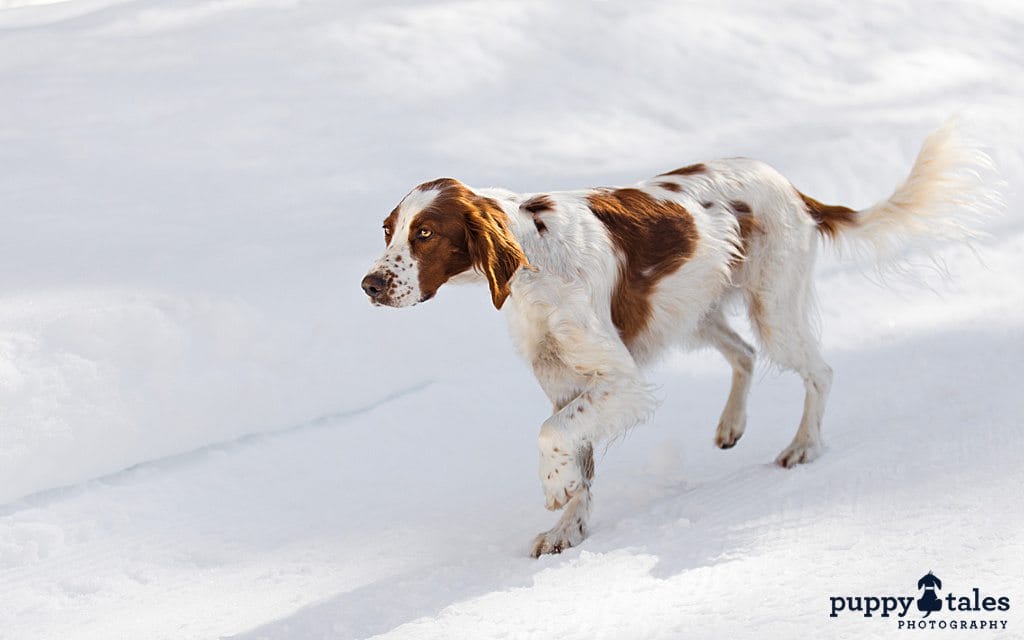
{"x":440,"y":230}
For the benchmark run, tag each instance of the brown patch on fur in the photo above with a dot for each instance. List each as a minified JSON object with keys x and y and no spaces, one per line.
{"x":468,"y":231}
{"x":439,"y":183}
{"x":669,"y":186}
{"x":655,"y":237}
{"x":749,"y":225}
{"x":389,"y":225}
{"x":536,"y":206}
{"x":830,"y":218}
{"x":740,"y":207}
{"x":688,"y":170}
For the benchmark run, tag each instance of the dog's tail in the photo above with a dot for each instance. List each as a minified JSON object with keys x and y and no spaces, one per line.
{"x":948,"y":190}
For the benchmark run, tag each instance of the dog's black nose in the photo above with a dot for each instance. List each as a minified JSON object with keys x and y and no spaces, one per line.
{"x":373,"y":285}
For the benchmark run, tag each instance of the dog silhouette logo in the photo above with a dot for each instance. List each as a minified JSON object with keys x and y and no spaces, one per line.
{"x":928,"y":601}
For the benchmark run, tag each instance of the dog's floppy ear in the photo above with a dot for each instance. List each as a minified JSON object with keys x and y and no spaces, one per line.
{"x":492,"y":249}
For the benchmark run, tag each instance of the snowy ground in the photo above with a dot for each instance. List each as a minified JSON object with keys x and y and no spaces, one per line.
{"x":205,"y":431}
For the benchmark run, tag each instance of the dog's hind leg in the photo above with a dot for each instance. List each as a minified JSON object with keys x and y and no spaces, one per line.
{"x":781,"y":311}
{"x":806,"y":360}
{"x":717,"y":333}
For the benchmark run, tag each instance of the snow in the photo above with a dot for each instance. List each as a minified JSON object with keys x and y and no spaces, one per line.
{"x":206,"y":431}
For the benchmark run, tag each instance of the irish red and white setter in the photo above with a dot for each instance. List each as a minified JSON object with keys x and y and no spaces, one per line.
{"x":596,"y":283}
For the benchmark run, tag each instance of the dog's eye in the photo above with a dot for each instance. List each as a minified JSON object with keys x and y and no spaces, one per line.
{"x":424,"y":233}
{"x":387,"y":232}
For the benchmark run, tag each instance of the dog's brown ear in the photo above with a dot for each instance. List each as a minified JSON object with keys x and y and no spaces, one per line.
{"x":492,"y":249}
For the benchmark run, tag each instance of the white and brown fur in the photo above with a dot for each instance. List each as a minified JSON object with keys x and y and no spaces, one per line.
{"x":597,"y":283}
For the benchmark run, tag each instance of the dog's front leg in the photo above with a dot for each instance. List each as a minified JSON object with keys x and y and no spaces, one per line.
{"x":563,"y":455}
{"x":571,"y":528}
{"x":605,"y":408}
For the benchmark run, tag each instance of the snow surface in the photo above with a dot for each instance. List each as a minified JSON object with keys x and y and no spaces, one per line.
{"x":205,"y":431}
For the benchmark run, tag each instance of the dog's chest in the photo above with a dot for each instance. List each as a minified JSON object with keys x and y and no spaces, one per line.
{"x":529,"y":325}
{"x":531,"y":330}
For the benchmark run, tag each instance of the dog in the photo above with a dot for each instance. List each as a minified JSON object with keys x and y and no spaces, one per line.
{"x":597,"y":283}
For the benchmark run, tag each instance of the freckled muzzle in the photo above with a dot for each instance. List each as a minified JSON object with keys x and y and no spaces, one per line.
{"x":390,"y":285}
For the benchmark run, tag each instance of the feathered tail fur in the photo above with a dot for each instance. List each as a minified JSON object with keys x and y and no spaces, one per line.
{"x":950,"y":188}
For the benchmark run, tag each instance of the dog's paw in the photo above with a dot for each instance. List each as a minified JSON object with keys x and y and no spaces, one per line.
{"x":568,"y":533}
{"x":561,"y":477}
{"x":798,"y":452}
{"x":729,"y":431}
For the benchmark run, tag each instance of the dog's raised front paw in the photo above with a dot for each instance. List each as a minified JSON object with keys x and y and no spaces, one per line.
{"x":561,"y":477}
{"x":560,"y":473}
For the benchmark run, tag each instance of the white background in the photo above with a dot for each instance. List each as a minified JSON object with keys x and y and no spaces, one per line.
{"x":206,"y":431}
